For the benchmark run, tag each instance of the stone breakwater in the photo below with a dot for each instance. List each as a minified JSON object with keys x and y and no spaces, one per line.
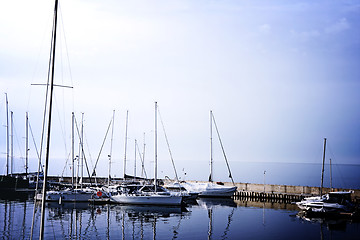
{"x":282,"y":192}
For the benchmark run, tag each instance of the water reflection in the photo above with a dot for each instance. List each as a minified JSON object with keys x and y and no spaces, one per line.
{"x":245,"y":202}
{"x":205,"y":218}
{"x":211,"y":204}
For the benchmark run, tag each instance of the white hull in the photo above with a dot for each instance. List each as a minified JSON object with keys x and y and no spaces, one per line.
{"x":323,"y":207}
{"x":331,"y":202}
{"x":210,"y":189}
{"x":66,"y":196}
{"x":148,"y":199}
{"x":218,"y":192}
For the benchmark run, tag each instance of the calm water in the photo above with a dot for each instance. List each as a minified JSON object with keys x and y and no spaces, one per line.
{"x":204,"y":219}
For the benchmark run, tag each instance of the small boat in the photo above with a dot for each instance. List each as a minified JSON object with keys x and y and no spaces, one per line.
{"x":146,"y":195}
{"x":67,"y":195}
{"x":331,"y":202}
{"x":213,"y":189}
{"x":210,"y":189}
{"x":177,"y":187}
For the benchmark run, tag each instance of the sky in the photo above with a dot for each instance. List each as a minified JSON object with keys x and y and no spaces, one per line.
{"x":279,"y":76}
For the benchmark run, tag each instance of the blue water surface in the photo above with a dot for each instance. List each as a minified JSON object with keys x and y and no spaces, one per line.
{"x":203,"y":219}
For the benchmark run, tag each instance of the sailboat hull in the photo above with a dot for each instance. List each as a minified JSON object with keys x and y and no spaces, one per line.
{"x":218,"y":192}
{"x":11,"y":183}
{"x":150,"y":199}
{"x":210,"y":189}
{"x":66,"y":196}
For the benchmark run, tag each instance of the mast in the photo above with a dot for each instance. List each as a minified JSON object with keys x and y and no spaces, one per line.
{"x":126,"y":129}
{"x":211,"y":150}
{"x":82,"y":150}
{"x":52,"y":57}
{"x":27,"y":145}
{"x":330,"y":176}
{"x":155,"y":164}
{"x":322,"y":170}
{"x":72,"y":149}
{"x":111,"y":143}
{"x":143,"y":159}
{"x":135,"y":162}
{"x":223,"y":150}
{"x":7,"y":135}
{"x":12,"y":143}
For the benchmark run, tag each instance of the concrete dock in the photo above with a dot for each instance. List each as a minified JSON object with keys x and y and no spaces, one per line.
{"x":284,"y":193}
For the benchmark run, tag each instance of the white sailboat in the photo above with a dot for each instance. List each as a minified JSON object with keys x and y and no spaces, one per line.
{"x":73,"y":194}
{"x":211,"y":189}
{"x":147,"y":194}
{"x":332,"y":202}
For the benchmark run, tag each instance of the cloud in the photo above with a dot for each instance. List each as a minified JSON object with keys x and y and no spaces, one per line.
{"x":265,"y":28}
{"x":340,"y":26}
{"x":305,"y":35}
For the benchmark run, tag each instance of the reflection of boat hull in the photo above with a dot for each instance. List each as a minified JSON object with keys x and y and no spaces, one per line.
{"x":68,"y":205}
{"x":151,"y":210}
{"x":66,"y":196}
{"x":148,"y":199}
{"x":321,"y":215}
{"x":213,"y":202}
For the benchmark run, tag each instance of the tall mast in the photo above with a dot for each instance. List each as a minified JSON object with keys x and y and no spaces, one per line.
{"x":49,"y":123}
{"x":82,"y":150}
{"x":72,"y":149}
{"x":211,"y":150}
{"x":7,"y":135}
{"x":12,"y":142}
{"x":126,"y":129}
{"x":222,"y":148}
{"x":111,"y":143}
{"x":155,"y":164}
{"x":135,"y":162}
{"x":27,"y":145}
{"x":322,"y":170}
{"x":330,"y":176}
{"x":143,"y":159}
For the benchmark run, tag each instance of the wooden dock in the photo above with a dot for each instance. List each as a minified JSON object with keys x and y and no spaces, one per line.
{"x":268,"y":196}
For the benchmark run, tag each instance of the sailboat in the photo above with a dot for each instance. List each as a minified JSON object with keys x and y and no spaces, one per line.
{"x":73,"y":194}
{"x":211,"y":189}
{"x":11,"y":182}
{"x":332,"y":202}
{"x":147,"y":194}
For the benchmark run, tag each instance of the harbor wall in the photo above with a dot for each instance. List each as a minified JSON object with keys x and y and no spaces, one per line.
{"x":254,"y":189}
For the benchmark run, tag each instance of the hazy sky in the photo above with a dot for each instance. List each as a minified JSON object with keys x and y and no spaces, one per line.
{"x":279,"y":76}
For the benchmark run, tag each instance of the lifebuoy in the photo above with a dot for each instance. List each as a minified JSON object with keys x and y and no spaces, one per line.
{"x":99,"y":194}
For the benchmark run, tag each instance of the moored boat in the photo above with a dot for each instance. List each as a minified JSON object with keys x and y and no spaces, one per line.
{"x":146,"y":195}
{"x":67,"y":195}
{"x":331,"y":202}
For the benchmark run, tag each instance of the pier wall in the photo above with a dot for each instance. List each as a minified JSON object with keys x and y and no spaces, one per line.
{"x":255,"y":190}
